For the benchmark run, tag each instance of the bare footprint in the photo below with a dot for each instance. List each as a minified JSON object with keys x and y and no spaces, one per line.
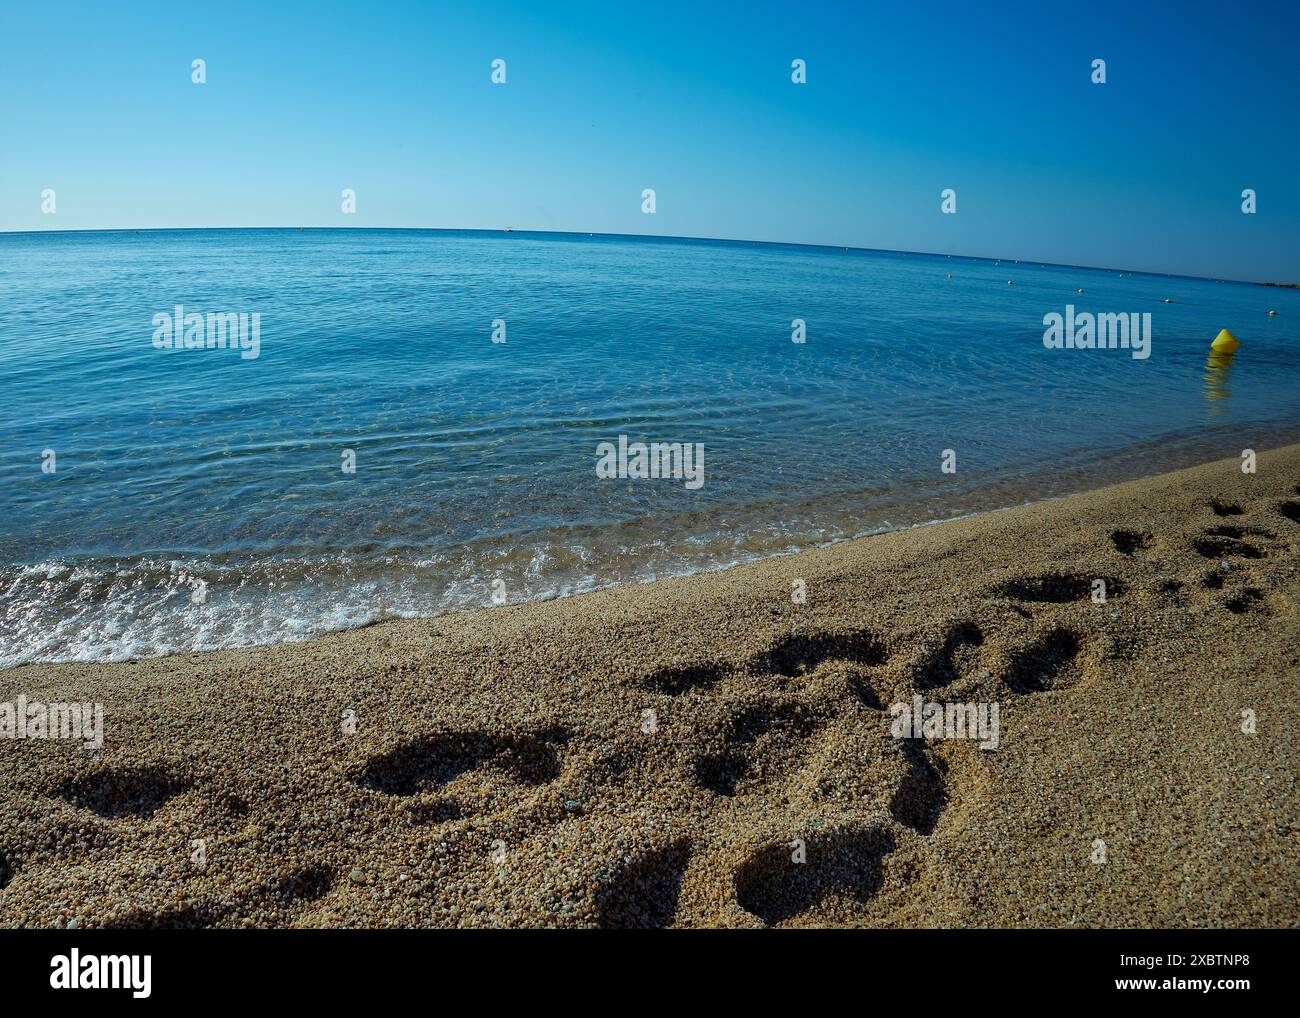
{"x":643,"y":893}
{"x":428,"y":762}
{"x":1246,"y":601}
{"x":1057,"y":588}
{"x":1232,"y":542}
{"x":1222,"y":508}
{"x":946,"y":663}
{"x":799,"y":653}
{"x":674,"y":680}
{"x":1049,"y":662}
{"x":286,"y":895}
{"x":772,"y":886}
{"x":181,"y":917}
{"x":1127,"y":542}
{"x":117,"y":792}
{"x":922,"y":794}
{"x":760,"y":745}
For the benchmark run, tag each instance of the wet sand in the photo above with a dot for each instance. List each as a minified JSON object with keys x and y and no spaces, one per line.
{"x":708,"y":752}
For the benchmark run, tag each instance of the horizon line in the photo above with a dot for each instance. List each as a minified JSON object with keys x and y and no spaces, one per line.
{"x":656,"y":236}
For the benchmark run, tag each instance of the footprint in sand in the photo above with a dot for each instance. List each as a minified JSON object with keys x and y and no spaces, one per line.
{"x":923,"y":793}
{"x":1049,"y":662}
{"x":1129,"y":542}
{"x":773,"y":887}
{"x":956,"y":656}
{"x":429,"y":762}
{"x":642,"y":893}
{"x":122,"y":792}
{"x":1250,"y":600}
{"x":1057,"y":588}
{"x":767,"y":740}
{"x":1234,"y":542}
{"x":790,"y":656}
{"x":800,"y":653}
{"x":287,"y":896}
{"x":760,"y":745}
{"x":675,"y":680}
{"x":1222,"y":508}
{"x":182,"y":917}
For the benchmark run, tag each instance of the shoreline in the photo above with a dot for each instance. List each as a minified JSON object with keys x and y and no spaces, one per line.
{"x":999,"y":492}
{"x":503,"y":769}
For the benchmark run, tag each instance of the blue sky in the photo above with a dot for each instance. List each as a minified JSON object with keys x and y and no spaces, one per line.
{"x":694,"y":100}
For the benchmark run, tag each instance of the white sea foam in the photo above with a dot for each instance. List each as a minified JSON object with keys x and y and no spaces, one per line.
{"x":120,"y":610}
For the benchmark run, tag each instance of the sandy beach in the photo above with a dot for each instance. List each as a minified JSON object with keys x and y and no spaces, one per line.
{"x":708,"y":751}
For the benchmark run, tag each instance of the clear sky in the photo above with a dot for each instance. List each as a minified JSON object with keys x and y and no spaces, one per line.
{"x":692,"y":99}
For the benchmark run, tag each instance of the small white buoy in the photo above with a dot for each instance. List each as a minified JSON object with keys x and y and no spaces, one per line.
{"x":1169,"y":300}
{"x":1011,"y":282}
{"x":1080,"y":290}
{"x":1271,"y":311}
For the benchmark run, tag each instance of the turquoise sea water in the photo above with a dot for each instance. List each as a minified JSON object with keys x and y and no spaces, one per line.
{"x":197,"y":498}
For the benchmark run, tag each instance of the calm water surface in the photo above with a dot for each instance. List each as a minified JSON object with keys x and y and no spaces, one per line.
{"x":198,"y":499}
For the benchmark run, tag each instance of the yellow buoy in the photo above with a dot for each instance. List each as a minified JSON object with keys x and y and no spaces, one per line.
{"x":1225,"y":343}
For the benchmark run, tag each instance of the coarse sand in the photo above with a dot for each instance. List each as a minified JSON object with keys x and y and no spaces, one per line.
{"x":717,"y":751}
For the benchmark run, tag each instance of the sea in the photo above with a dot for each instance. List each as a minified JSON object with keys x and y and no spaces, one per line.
{"x":415,"y":419}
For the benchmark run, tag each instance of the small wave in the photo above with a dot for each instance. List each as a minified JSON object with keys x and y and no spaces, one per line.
{"x":119,"y":609}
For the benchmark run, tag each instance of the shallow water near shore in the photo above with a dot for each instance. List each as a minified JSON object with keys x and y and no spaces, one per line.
{"x":198,"y":499}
